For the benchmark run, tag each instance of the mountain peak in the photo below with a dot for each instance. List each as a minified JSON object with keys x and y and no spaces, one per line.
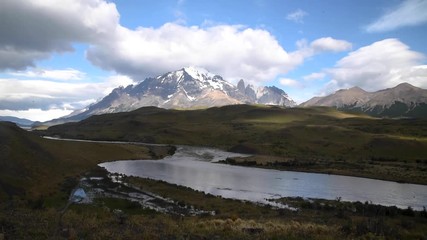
{"x":405,"y":85}
{"x":189,"y":87}
{"x":402,"y":100}
{"x":241,"y":86}
{"x":352,"y":89}
{"x":198,"y":72}
{"x":356,"y":89}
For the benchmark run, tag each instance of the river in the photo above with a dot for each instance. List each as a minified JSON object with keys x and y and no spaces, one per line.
{"x":195,"y":167}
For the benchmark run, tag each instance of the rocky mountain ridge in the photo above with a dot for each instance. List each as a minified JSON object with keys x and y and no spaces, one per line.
{"x":186,"y":88}
{"x":404,"y":100}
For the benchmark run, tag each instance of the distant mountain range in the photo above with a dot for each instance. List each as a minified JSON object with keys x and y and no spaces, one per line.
{"x":187,"y":88}
{"x":404,"y":100}
{"x":191,"y":88}
{"x":19,"y":121}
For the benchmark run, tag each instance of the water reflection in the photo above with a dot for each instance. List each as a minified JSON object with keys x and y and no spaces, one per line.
{"x":193,"y":167}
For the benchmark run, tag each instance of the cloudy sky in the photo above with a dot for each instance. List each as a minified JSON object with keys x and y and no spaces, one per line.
{"x":59,"y":56}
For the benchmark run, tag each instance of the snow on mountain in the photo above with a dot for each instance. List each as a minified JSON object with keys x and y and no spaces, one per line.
{"x":186,"y":88}
{"x":265,"y":95}
{"x":198,"y":73}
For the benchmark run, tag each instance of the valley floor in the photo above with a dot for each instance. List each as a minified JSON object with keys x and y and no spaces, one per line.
{"x":297,"y":139}
{"x":37,"y":175}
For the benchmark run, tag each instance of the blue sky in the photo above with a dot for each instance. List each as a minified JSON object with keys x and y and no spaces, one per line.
{"x":59,"y":56}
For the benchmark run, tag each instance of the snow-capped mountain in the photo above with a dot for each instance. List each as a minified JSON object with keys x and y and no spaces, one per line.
{"x":183,"y":89}
{"x":264,"y":95}
{"x":404,"y":100}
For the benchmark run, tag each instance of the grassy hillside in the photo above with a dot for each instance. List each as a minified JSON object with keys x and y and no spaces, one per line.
{"x":315,"y":139}
{"x":31,"y":166}
{"x":233,"y":219}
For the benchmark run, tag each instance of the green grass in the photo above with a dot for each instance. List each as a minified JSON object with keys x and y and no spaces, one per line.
{"x":316,"y":219}
{"x":336,"y":142}
{"x":31,"y":166}
{"x":36,"y":174}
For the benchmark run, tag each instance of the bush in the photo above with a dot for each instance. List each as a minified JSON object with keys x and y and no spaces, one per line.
{"x":69,"y":184}
{"x":408,"y":212}
{"x":37,"y":204}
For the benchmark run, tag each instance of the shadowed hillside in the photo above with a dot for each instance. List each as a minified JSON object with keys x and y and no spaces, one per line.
{"x":32,"y":166}
{"x":35,"y":169}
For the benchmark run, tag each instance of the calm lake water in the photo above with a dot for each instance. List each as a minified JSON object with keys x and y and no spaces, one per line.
{"x":195,"y":167}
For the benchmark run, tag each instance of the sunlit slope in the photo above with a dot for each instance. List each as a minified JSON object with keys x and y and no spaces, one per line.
{"x":305,"y":133}
{"x":32,"y":166}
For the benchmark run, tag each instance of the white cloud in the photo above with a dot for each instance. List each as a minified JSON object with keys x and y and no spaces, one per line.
{"x":380,"y":65}
{"x":297,"y":16}
{"x":318,"y":46}
{"x":314,"y":76}
{"x":37,"y":114}
{"x":116,"y":81}
{"x":14,"y":58}
{"x":22,"y":95}
{"x":30,"y":31}
{"x":62,"y":74}
{"x":407,"y":13}
{"x":290,"y":82}
{"x":328,"y":44}
{"x":232,"y":51}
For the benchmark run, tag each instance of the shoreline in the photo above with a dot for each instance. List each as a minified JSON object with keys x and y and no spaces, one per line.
{"x":248,"y":163}
{"x":339,"y":172}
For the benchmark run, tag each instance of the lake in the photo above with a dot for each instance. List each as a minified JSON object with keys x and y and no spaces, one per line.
{"x":196,"y":167}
